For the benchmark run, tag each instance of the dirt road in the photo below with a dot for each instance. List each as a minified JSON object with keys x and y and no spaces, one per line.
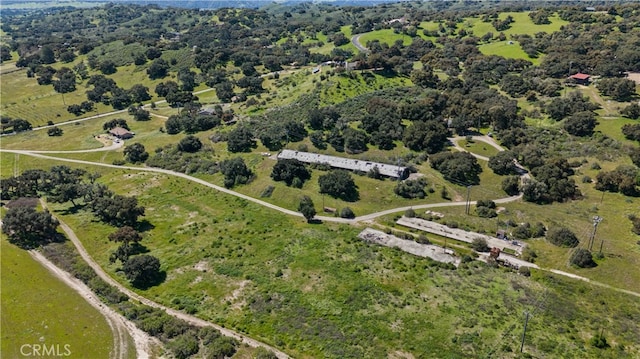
{"x":175,"y":313}
{"x":121,"y":327}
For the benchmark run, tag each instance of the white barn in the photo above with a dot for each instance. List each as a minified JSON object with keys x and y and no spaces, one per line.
{"x":346,"y":163}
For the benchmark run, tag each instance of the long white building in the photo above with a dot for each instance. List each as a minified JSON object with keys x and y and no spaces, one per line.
{"x":346,"y":163}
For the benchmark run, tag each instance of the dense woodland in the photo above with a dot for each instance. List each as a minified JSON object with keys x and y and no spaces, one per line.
{"x":456,"y":89}
{"x":230,"y":49}
{"x":449,"y":88}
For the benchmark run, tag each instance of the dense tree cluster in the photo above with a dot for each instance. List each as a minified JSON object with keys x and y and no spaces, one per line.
{"x":8,"y":124}
{"x":135,"y":153}
{"x":82,"y":108}
{"x":486,"y":209}
{"x":458,"y":167}
{"x":411,"y":188}
{"x":339,"y":184}
{"x":235,"y":172}
{"x":29,"y":228}
{"x":240,"y":139}
{"x":293,"y":172}
{"x":171,"y":158}
{"x":623,"y":179}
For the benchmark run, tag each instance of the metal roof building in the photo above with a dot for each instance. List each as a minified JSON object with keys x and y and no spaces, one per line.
{"x":346,"y":163}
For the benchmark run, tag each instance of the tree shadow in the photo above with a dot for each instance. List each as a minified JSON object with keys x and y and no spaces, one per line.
{"x":152,"y":281}
{"x":144,"y":226}
{"x":137,"y":248}
{"x":35,"y":241}
{"x":71,"y":210}
{"x":314,"y":221}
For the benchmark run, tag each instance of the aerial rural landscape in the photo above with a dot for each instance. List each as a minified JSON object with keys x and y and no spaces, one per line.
{"x":326,"y":179}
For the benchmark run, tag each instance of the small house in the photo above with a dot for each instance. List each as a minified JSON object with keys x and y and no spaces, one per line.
{"x":121,"y":133}
{"x":581,"y":79}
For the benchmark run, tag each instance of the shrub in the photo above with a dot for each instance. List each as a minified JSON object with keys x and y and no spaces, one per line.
{"x":54,"y":131}
{"x":411,"y":188}
{"x":582,"y":258}
{"x":525,"y":271}
{"x":480,"y":245}
{"x":511,"y":185}
{"x":486,"y":212}
{"x":563,"y":237}
{"x":410,"y":213}
{"x":599,"y":341}
{"x":423,"y":239}
{"x":184,"y":346}
{"x":347,"y":212}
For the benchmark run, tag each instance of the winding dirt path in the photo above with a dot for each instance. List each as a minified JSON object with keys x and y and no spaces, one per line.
{"x":121,"y":327}
{"x":175,"y":313}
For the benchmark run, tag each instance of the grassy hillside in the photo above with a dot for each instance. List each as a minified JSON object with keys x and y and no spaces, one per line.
{"x":37,"y":308}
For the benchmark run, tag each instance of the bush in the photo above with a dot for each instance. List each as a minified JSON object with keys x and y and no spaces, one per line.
{"x":599,"y":341}
{"x":189,"y":144}
{"x":54,"y":131}
{"x":529,"y":255}
{"x":486,"y":212}
{"x":582,"y":258}
{"x":411,"y":188}
{"x":480,"y":245}
{"x":525,"y":271}
{"x":142,"y":270}
{"x":184,"y":346}
{"x":511,"y":185}
{"x":563,"y":237}
{"x":422,"y":239}
{"x":410,"y":213}
{"x":347,"y":212}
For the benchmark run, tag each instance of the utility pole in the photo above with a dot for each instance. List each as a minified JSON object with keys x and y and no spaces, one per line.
{"x":468,"y":203}
{"x":524,"y":332}
{"x":565,"y":83}
{"x":596,"y":221}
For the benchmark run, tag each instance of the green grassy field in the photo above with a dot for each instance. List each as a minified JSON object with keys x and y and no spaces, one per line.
{"x":478,"y":147}
{"x":386,"y":36}
{"x":508,"y":49}
{"x":37,"y":308}
{"x":251,"y":269}
{"x":522,"y":24}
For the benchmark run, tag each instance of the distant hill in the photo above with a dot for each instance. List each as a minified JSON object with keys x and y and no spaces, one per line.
{"x":191,"y":4}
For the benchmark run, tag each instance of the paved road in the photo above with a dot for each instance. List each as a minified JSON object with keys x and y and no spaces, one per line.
{"x":175,"y":313}
{"x":355,"y":40}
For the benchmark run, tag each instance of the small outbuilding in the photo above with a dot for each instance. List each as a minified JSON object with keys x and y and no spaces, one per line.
{"x":581,"y":79}
{"x":121,"y":133}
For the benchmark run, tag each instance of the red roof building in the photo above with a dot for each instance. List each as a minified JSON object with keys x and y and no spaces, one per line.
{"x":580,"y":78}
